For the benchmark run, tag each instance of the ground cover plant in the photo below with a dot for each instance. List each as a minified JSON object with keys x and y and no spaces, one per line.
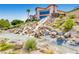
{"x":30,"y":44}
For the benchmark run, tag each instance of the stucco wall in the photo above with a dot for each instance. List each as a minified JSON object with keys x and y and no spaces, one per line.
{"x":51,"y":10}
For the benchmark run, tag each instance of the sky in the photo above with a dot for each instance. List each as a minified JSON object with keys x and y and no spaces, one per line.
{"x":18,"y":11}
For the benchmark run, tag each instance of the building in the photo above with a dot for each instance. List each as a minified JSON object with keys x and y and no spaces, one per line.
{"x":51,"y":11}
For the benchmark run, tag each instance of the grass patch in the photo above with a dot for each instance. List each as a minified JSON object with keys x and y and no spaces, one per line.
{"x":30,"y":44}
{"x":6,"y":46}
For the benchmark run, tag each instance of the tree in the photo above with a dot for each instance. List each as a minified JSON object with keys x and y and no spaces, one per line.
{"x":16,"y":22}
{"x":4,"y":24}
{"x":28,"y":12}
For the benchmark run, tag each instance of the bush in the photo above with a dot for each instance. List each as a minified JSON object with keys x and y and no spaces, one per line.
{"x":33,"y":19}
{"x":4,"y":24}
{"x":30,"y":44}
{"x":68,"y":24}
{"x":72,"y":16}
{"x":16,"y":22}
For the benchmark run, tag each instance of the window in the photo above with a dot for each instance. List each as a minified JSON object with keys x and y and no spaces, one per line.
{"x":44,"y":12}
{"x":41,"y":17}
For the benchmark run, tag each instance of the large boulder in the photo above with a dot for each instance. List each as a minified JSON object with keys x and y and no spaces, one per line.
{"x":67,"y":35}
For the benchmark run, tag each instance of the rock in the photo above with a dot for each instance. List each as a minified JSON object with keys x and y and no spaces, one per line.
{"x":53,"y":33}
{"x":72,"y":42}
{"x":67,"y":35}
{"x":18,"y":45}
{"x":46,"y":32}
{"x":75,"y":32}
{"x":75,"y":28}
{"x":60,"y":33}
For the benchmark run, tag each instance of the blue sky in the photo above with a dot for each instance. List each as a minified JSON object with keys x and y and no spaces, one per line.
{"x":18,"y":11}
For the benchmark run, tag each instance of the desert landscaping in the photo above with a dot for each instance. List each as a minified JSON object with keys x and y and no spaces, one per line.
{"x":50,"y":35}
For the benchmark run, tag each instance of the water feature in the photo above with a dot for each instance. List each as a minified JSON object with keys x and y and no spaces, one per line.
{"x":41,"y":22}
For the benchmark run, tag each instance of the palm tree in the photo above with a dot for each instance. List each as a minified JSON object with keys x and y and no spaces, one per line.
{"x":28,"y":13}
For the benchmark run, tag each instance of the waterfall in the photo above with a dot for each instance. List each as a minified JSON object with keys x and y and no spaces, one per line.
{"x":41,"y":22}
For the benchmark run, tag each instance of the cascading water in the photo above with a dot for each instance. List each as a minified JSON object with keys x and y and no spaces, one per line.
{"x":41,"y":22}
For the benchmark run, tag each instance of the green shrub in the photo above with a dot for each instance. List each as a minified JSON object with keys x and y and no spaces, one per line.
{"x":3,"y":44}
{"x":71,"y":16}
{"x":34,"y":19}
{"x":16,"y":22}
{"x":68,"y":24}
{"x":6,"y":46}
{"x":31,"y":20}
{"x":4,"y":24}
{"x":30,"y":44}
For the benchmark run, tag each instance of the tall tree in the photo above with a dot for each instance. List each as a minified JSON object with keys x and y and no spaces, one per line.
{"x":28,"y":13}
